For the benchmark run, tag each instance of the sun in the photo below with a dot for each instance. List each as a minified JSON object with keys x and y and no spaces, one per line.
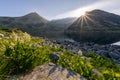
{"x":83,"y":13}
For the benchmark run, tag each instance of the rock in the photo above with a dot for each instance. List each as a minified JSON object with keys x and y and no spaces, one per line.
{"x":52,"y":72}
{"x":110,"y":51}
{"x":54,"y":57}
{"x":96,"y":73}
{"x":114,"y":55}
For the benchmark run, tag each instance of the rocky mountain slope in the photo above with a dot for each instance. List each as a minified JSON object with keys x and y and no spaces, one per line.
{"x":96,"y":26}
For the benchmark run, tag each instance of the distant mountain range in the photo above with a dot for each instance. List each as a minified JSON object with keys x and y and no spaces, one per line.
{"x":37,"y":25}
{"x":63,"y":22}
{"x":95,"y":26}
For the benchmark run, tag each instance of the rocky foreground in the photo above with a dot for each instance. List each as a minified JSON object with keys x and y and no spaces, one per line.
{"x":52,"y":72}
{"x":110,"y":51}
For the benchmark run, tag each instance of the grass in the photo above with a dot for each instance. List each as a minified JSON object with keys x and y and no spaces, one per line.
{"x":20,"y":53}
{"x":107,"y":67}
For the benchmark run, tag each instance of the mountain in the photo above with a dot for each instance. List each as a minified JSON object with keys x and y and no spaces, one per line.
{"x":31,"y":18}
{"x":62,"y":22}
{"x":96,"y":26}
{"x":29,"y":23}
{"x":36,"y":25}
{"x":54,"y":29}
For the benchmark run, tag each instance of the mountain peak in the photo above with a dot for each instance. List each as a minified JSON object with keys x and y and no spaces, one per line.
{"x":33,"y":18}
{"x":32,"y":14}
{"x":97,"y":10}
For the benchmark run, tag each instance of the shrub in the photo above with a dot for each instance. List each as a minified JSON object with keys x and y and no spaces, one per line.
{"x":106,"y":66}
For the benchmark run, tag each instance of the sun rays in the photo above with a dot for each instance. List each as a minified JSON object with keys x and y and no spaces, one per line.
{"x":85,"y":20}
{"x":83,"y":23}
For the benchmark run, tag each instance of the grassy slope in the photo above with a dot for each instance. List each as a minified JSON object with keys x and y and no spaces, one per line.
{"x":20,"y":53}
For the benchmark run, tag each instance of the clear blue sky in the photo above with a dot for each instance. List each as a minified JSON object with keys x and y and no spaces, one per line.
{"x":51,"y":8}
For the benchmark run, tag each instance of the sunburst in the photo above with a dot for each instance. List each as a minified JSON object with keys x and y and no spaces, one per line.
{"x":84,"y":20}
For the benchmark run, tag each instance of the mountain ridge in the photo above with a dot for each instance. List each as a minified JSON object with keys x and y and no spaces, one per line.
{"x":31,"y":18}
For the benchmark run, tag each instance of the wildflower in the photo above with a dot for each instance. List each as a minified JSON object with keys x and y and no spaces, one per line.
{"x":80,"y":53}
{"x":14,"y":36}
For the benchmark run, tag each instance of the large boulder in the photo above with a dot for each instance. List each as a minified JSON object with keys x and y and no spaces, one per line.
{"x":52,"y":72}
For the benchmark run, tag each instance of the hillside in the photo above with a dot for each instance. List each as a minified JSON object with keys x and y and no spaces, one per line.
{"x":96,"y":26}
{"x":21,"y":53}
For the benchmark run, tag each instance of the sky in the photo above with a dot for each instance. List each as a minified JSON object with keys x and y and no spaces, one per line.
{"x":56,"y":9}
